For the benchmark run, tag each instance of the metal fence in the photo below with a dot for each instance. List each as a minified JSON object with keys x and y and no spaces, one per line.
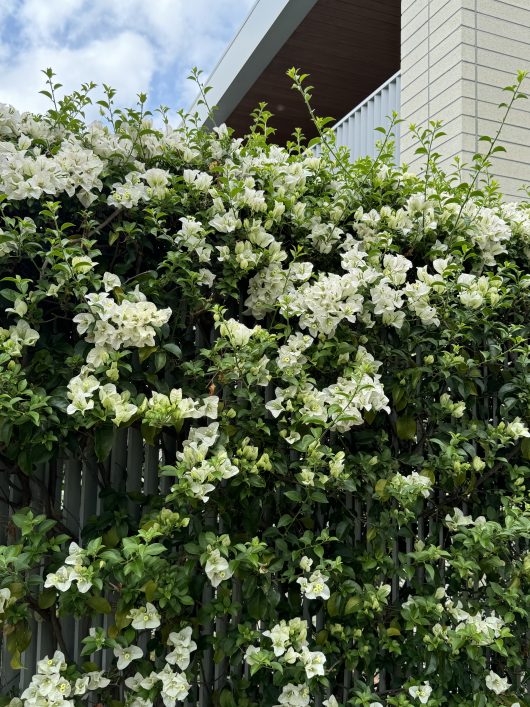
{"x":70,"y":491}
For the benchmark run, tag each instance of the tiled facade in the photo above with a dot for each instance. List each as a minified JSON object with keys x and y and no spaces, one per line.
{"x":456,"y":55}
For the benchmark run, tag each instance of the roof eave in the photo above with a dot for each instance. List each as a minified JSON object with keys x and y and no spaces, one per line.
{"x":267,"y":27}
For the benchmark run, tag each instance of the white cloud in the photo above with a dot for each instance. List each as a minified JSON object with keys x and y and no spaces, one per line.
{"x":42,"y":20}
{"x":131,"y":44}
{"x":126,"y":61}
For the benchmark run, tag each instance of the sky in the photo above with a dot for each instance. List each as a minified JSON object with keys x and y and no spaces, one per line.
{"x":133,"y":45}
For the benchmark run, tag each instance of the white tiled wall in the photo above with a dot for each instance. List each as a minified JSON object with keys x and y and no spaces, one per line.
{"x":456,"y":56}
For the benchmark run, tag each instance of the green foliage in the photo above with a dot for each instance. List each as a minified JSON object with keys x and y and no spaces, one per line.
{"x":328,"y":365}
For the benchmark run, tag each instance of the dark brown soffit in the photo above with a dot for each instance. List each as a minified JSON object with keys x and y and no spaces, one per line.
{"x":349,"y":48}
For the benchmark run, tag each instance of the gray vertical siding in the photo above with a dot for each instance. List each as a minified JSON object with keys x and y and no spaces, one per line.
{"x":357,"y":130}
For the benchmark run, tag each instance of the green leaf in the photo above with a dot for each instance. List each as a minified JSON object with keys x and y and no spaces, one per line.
{"x":333,"y":604}
{"x":149,"y":434}
{"x":293,"y":496}
{"x":257,"y":606}
{"x":226,"y":699}
{"x":173,"y":349}
{"x":525,"y":448}
{"x":99,"y":604}
{"x":406,"y":428}
{"x":47,"y":598}
{"x":351,"y":605}
{"x":103,"y":439}
{"x":380,"y":486}
{"x":145,"y":352}
{"x":149,"y":589}
{"x":393,"y":631}
{"x":284,"y":520}
{"x":319,"y":497}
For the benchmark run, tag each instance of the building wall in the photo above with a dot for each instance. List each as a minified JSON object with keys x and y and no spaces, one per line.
{"x":456,"y":56}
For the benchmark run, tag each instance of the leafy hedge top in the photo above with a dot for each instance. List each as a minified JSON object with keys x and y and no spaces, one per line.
{"x":335,"y":361}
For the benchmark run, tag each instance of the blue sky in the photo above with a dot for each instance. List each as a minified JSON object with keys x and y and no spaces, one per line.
{"x":133,"y":45}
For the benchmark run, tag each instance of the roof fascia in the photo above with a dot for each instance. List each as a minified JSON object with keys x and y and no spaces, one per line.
{"x":265,"y":30}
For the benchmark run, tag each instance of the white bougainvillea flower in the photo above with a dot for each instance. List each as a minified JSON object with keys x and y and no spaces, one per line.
{"x":83,"y":578}
{"x":97,"y":680}
{"x":306,"y":563}
{"x":110,"y":281}
{"x":81,"y":685}
{"x":238,"y":334}
{"x":183,"y":646}
{"x":53,"y":665}
{"x":140,"y":702}
{"x":252,"y":655}
{"x":294,"y":696}
{"x":22,"y":334}
{"x":314,"y":587}
{"x":421,"y":692}
{"x":134,"y":683}
{"x":279,"y":636}
{"x":314,"y":662}
{"x":5,"y":596}
{"x":145,"y":617}
{"x":76,"y":555}
{"x":175,"y":687}
{"x":217,"y":568}
{"x":496,"y":684}
{"x":61,"y":580}
{"x":126,"y":655}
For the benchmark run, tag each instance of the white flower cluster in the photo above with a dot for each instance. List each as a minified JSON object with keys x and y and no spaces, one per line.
{"x":514,"y":430}
{"x":475,"y":291}
{"x":341,"y":403}
{"x":49,"y":688}
{"x":497,"y":684}
{"x":322,"y":305}
{"x":192,"y":237}
{"x":407,"y":489}
{"x":518,"y":218}
{"x":450,"y":407}
{"x":171,"y":410}
{"x":14,"y":339}
{"x":194,"y":471}
{"x":271,"y":282}
{"x":145,"y":617}
{"x":459,"y":520}
{"x":482,"y":630}
{"x":488,"y":231}
{"x":183,"y":646}
{"x":289,"y":645}
{"x":294,"y":696}
{"x":112,"y":326}
{"x":28,"y":173}
{"x":371,"y":286}
{"x":140,"y":186}
{"x":76,"y":569}
{"x":175,"y":686}
{"x":291,"y":358}
{"x":478,"y":628}
{"x":5,"y":599}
